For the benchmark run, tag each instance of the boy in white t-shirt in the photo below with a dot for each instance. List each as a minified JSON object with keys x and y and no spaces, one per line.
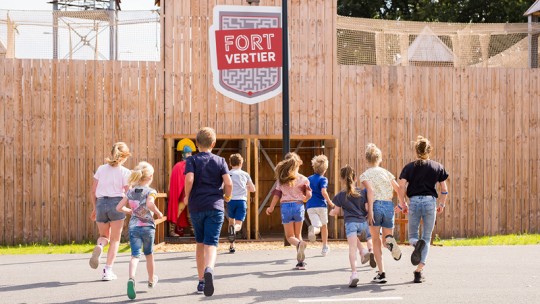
{"x":237,"y":206}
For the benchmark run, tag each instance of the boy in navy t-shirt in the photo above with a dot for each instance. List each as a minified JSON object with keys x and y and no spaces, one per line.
{"x":205,"y":175}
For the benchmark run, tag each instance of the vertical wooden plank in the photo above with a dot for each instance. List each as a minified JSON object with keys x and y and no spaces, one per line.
{"x":485,"y":184}
{"x":10,"y":84}
{"x":330,"y":64}
{"x":197,"y":102}
{"x":518,"y":138}
{"x":449,"y":147}
{"x":56,"y":98}
{"x":246,"y":150}
{"x":525,"y":177}
{"x":533,"y":150}
{"x":510,"y":155}
{"x":3,"y":144}
{"x":495,"y":165}
{"x":26,"y":153}
{"x":469,"y":142}
{"x":35,"y":156}
{"x":503,"y":74}
{"x":257,"y":185}
{"x":457,"y":206}
{"x":345,"y":105}
{"x":45,"y":150}
{"x":169,"y":64}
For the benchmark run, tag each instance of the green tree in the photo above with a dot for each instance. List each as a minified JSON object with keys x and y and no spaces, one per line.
{"x":478,"y":11}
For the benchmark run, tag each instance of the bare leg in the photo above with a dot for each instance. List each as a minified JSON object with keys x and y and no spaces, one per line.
{"x":290,"y":234}
{"x":377,"y":246}
{"x":150,"y":267}
{"x":116,"y":232}
{"x":353,"y":243}
{"x":133,"y":267}
{"x":104,"y":234}
{"x":324,"y":235}
{"x":199,"y":257}
{"x":210,"y":253}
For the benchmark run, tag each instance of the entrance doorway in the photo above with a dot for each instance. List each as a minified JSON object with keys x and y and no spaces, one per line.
{"x":267,"y":153}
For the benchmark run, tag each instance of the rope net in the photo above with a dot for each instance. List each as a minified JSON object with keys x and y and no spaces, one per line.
{"x":402,"y":43}
{"x":85,"y":35}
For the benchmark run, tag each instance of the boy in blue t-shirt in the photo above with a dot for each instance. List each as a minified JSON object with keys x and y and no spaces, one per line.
{"x":205,"y":175}
{"x":317,"y":206}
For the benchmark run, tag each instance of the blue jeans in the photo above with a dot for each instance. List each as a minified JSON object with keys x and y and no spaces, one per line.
{"x":237,"y":209}
{"x":141,"y":237}
{"x":422,"y":208}
{"x":292,"y":212}
{"x":356,"y":229}
{"x":383,"y":214}
{"x":207,"y":226}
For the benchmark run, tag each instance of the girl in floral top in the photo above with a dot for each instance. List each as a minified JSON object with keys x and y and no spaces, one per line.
{"x":380,"y":185}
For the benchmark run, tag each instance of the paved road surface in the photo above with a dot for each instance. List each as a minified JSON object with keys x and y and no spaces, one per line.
{"x":454,"y":275}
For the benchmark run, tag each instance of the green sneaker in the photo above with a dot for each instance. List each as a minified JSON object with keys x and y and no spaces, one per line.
{"x":131,"y":289}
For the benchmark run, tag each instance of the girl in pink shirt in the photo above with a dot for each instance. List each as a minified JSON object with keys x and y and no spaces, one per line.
{"x":292,"y":191}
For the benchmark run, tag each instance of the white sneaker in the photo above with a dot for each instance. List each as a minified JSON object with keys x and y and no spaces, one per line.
{"x":353,"y":281}
{"x":311,"y":234}
{"x":108,"y":275}
{"x":154,"y":282}
{"x":96,"y":255}
{"x":325,"y":250}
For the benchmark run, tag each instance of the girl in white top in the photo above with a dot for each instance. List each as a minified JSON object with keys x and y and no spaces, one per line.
{"x":110,"y":185}
{"x":380,"y":185}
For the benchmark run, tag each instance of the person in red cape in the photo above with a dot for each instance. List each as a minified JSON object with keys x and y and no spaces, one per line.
{"x":176,"y":210}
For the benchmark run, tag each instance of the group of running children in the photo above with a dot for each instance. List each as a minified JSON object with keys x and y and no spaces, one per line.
{"x":209,"y":184}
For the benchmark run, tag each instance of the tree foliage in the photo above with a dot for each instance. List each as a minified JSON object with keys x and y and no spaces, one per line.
{"x":476,"y":11}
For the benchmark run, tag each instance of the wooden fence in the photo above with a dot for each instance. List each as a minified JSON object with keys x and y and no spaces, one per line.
{"x":58,"y":120}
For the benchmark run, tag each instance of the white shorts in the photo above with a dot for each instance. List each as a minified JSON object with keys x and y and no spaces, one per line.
{"x":318,"y":216}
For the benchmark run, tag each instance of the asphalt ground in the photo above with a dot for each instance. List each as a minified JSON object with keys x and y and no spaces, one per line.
{"x":498,"y":274}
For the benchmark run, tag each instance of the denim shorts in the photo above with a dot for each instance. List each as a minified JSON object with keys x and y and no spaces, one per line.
{"x":292,"y":212}
{"x":237,"y":209}
{"x":207,"y":226}
{"x":106,"y":209}
{"x":141,"y":237}
{"x":357,"y":228}
{"x":383,"y":214}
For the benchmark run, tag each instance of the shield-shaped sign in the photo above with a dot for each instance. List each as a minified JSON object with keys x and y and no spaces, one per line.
{"x":246,"y":52}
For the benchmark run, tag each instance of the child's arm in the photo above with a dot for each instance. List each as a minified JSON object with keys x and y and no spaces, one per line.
{"x":402,"y":194}
{"x":270,"y":209}
{"x":152,"y":206}
{"x":397,"y":189}
{"x":371,"y":199}
{"x":94,"y":188}
{"x":335,"y":211}
{"x":227,"y":187}
{"x":327,"y":197}
{"x":121,"y":207}
{"x":250,"y":186}
{"x":187,"y":186}
{"x":307,"y":192}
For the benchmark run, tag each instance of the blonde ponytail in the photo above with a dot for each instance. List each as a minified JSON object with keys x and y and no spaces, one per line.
{"x":143,"y":172}
{"x":119,"y":153}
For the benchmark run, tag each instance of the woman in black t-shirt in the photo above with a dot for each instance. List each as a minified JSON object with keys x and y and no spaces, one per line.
{"x":418,"y":180}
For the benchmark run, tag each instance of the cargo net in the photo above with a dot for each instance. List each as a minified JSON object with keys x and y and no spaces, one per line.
{"x":403,"y":43}
{"x":85,"y":35}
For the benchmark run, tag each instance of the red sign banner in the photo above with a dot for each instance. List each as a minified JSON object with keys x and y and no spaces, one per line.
{"x":249,"y":48}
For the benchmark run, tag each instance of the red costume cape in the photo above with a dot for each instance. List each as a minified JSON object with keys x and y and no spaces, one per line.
{"x":176,"y":195}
